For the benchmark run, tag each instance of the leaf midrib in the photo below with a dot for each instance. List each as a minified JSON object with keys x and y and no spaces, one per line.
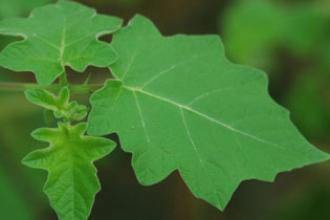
{"x":201,"y":114}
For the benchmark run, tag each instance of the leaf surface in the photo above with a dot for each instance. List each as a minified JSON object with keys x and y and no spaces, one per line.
{"x":61,"y":105}
{"x":56,"y":36}
{"x":72,"y":181}
{"x":13,"y":8}
{"x":178,"y":104}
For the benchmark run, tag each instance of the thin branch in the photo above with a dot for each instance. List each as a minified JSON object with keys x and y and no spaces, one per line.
{"x":21,"y":87}
{"x":63,"y":81}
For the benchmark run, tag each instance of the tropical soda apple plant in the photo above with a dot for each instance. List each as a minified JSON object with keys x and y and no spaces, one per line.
{"x":176,"y":103}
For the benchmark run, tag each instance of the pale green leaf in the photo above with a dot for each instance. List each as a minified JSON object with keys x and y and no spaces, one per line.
{"x":48,"y":100}
{"x":61,"y":105}
{"x":58,"y":35}
{"x":178,"y":104}
{"x":72,"y":181}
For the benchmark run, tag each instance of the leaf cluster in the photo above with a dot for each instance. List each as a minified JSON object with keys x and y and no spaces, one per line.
{"x":176,"y":102}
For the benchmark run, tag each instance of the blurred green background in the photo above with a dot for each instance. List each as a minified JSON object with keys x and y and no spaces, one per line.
{"x":289,"y":39}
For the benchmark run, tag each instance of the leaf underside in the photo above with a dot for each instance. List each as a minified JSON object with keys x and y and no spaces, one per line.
{"x":178,"y":104}
{"x":56,"y":36}
{"x":72,"y":181}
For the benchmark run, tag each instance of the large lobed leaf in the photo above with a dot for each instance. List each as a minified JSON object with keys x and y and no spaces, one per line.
{"x":72,"y":181}
{"x":178,"y":104}
{"x":58,"y":35}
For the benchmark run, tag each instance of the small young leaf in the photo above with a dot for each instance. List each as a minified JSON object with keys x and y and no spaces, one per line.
{"x":72,"y":182}
{"x":48,"y":100}
{"x":58,"y":35}
{"x":180,"y":105}
{"x":61,"y":105}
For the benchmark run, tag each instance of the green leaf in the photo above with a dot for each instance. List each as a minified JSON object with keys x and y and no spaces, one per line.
{"x":58,"y":35}
{"x":178,"y":104}
{"x":61,"y":105}
{"x":13,"y":8}
{"x":72,"y":181}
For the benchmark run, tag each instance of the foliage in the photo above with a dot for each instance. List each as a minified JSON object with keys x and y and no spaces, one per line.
{"x":13,"y":8}
{"x":61,"y":105}
{"x":176,"y":102}
{"x":275,"y":31}
{"x":72,"y":183}
{"x":207,"y":122}
{"x":46,"y":52}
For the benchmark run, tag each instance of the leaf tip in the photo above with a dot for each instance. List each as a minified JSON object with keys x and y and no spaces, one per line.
{"x":31,"y":160}
{"x":320,"y":156}
{"x":26,"y":161}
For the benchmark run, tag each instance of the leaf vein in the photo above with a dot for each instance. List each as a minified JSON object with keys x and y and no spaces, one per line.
{"x":142,"y":120}
{"x":203,"y":115}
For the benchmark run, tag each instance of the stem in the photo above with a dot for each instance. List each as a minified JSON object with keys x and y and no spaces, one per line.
{"x":75,"y":88}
